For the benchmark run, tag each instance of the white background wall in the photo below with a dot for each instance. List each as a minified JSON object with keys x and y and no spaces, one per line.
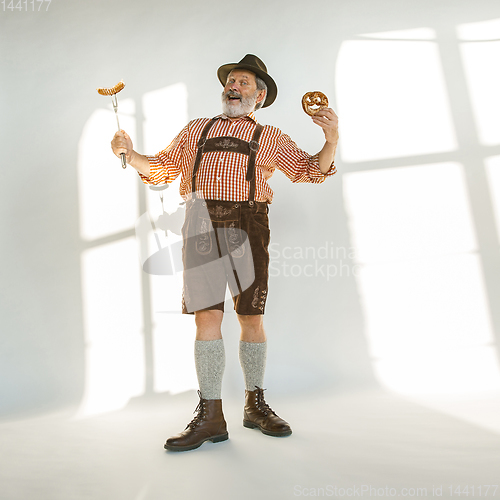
{"x":321,"y":331}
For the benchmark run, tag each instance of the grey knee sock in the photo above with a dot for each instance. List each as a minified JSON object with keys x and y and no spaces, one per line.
{"x":253,"y":363}
{"x":210,"y":360}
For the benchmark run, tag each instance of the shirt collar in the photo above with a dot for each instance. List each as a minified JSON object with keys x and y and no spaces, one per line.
{"x":250,"y":116}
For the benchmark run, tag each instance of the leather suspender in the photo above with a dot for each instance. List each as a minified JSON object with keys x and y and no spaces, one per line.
{"x":232,"y":144}
{"x":254,"y":147}
{"x":201,"y":146}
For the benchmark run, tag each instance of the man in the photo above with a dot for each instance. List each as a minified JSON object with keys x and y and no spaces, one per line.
{"x":225,"y":164}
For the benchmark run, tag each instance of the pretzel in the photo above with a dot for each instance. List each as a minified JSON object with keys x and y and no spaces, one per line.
{"x":112,"y":90}
{"x":312,"y":102}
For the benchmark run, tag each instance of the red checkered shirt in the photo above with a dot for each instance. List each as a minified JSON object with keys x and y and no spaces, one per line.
{"x":221,"y":175}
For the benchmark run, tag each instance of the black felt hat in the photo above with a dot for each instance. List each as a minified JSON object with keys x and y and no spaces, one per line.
{"x":254,"y":64}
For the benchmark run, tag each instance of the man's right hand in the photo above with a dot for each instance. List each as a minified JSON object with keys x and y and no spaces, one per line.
{"x":122,"y":143}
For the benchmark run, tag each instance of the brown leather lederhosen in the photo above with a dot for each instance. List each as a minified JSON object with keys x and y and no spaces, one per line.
{"x":244,"y":225}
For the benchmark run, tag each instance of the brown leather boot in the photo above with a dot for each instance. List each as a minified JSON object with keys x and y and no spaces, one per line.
{"x":258,"y":413}
{"x":207,"y":425}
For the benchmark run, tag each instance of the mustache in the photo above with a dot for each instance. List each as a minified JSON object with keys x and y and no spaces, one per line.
{"x":232,"y":93}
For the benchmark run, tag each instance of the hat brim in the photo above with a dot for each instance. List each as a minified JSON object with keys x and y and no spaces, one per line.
{"x":272,"y":89}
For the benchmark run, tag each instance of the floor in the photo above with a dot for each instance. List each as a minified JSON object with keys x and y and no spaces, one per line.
{"x":371,"y":444}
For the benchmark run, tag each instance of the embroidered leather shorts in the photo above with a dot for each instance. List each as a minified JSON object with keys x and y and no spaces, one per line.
{"x":225,"y":244}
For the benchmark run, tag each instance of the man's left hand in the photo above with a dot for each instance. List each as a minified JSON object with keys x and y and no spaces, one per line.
{"x":329,"y":122}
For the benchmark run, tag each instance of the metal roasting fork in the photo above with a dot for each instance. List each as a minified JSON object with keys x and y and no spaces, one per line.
{"x":112,"y":91}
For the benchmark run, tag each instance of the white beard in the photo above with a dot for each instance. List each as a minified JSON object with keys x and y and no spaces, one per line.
{"x":235,"y":109}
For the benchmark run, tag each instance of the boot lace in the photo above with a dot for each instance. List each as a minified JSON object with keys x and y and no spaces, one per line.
{"x":261,"y":403}
{"x":201,"y":412}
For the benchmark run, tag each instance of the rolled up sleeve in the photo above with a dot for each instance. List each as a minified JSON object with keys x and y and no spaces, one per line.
{"x":298,"y":165}
{"x":165,"y":166}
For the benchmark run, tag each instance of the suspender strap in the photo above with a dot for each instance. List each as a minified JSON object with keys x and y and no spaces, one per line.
{"x":199,"y":154}
{"x":254,"y":147}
